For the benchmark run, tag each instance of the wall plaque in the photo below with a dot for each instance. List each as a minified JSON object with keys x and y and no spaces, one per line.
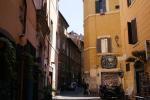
{"x":109,"y":61}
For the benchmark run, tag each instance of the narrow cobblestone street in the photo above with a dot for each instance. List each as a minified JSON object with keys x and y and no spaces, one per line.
{"x":74,"y":95}
{"x":74,"y":50}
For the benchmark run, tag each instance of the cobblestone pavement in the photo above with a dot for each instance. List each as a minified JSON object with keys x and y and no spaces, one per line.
{"x":74,"y":95}
{"x":75,"y":98}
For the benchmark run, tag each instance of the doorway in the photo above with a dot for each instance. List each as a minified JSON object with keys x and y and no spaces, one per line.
{"x":139,"y":71}
{"x":138,"y":81}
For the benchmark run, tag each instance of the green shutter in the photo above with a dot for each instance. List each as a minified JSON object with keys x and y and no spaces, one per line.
{"x":97,"y":6}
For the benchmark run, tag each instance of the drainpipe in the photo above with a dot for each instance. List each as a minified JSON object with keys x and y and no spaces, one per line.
{"x":25,"y":16}
{"x":23,"y":51}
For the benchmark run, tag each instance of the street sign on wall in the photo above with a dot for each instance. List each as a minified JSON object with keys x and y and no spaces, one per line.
{"x":147,"y":46}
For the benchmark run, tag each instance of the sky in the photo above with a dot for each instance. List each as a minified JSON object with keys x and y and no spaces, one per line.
{"x":72,"y":10}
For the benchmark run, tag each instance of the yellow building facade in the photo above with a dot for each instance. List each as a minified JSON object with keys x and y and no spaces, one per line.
{"x":135,"y":30}
{"x":117,"y":44}
{"x":102,"y":42}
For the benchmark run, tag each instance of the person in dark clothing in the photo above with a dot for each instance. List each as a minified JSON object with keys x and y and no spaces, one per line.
{"x":85,"y":88}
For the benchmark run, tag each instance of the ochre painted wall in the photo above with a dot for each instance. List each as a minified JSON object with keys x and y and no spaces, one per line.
{"x":9,"y":17}
{"x":96,"y":26}
{"x":139,"y":9}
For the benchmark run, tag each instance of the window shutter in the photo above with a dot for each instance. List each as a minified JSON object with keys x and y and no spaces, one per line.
{"x":134,"y":31}
{"x":98,"y":45}
{"x":127,"y":67}
{"x":109,"y":44}
{"x":129,"y":33}
{"x":97,"y":6}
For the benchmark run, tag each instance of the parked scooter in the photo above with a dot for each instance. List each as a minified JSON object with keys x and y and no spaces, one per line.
{"x":111,"y":93}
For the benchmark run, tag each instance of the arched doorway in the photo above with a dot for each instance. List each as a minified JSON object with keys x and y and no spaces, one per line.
{"x":139,"y":71}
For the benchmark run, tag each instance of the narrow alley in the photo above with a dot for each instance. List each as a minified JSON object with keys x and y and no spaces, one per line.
{"x":77,"y":94}
{"x":74,"y":49}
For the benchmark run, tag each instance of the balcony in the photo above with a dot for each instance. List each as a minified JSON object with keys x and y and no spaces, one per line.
{"x":42,"y":24}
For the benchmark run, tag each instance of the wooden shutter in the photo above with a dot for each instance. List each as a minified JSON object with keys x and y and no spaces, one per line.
{"x":134,"y":31}
{"x":97,"y":6}
{"x":129,"y":33}
{"x":109,"y":44}
{"x":98,"y":45}
{"x":127,"y":67}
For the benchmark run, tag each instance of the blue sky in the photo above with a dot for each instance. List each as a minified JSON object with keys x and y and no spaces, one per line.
{"x":72,"y":10}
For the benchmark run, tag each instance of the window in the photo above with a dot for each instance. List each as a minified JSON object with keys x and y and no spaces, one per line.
{"x":63,"y":45}
{"x":127,"y":67}
{"x":100,"y":6}
{"x":51,"y":31}
{"x":132,"y":32}
{"x":104,"y":45}
{"x":129,"y":2}
{"x":117,"y":7}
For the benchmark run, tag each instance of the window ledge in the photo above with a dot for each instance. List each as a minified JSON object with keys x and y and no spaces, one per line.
{"x":98,"y":14}
{"x":112,"y":12}
{"x":114,"y":53}
{"x":108,"y":12}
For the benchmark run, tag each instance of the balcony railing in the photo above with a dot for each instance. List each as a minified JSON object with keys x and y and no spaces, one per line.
{"x":42,"y":24}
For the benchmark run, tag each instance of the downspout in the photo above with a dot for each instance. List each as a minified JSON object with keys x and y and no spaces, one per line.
{"x":23,"y":51}
{"x":25,"y":16}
